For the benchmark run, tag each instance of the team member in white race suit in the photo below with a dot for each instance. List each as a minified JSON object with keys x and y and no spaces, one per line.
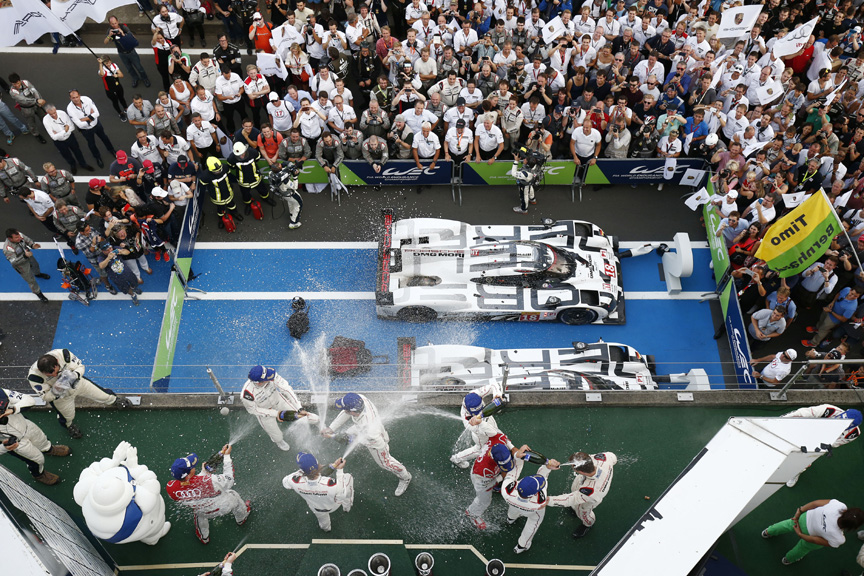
{"x":527,"y":498}
{"x":487,"y":472}
{"x":592,"y":483}
{"x":481,"y":428}
{"x":369,"y":432}
{"x":323,"y":494}
{"x":829,"y":411}
{"x":268,"y":397}
{"x":29,"y":443}
{"x":209,"y":495}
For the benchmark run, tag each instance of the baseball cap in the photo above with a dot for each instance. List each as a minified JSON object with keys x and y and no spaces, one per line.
{"x":460,"y":101}
{"x":502,"y":456}
{"x":273,"y":96}
{"x":407,"y":64}
{"x":732,"y":194}
{"x":791,"y":353}
{"x":158,"y":192}
{"x":96,"y":183}
{"x":148,"y":166}
{"x":351,"y":402}
{"x":261,"y":374}
{"x":738,"y":68}
{"x":182,"y":466}
{"x":105,"y":245}
{"x":530,"y":485}
{"x":473,"y":403}
{"x":257,"y":16}
{"x":559,"y":109}
{"x":182,"y":159}
{"x":121,"y":157}
{"x":460,"y":123}
{"x":520,"y":63}
{"x":4,"y":401}
{"x":307,"y":462}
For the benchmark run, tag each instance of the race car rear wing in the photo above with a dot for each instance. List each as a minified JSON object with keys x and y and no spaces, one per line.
{"x":383,"y":295}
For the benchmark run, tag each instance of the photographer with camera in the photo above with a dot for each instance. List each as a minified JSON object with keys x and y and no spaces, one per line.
{"x":170,"y":24}
{"x":400,"y":139}
{"x":618,"y":140}
{"x":126,"y":42}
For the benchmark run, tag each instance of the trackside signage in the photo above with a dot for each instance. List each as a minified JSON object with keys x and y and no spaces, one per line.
{"x":801,"y":237}
{"x":732,"y":317}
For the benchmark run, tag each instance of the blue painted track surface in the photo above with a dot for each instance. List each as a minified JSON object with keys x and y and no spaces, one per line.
{"x":117,"y":340}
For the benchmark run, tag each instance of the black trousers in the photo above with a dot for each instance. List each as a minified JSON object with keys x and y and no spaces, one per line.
{"x":228,"y":111}
{"x":90,"y":136}
{"x":71,"y":151}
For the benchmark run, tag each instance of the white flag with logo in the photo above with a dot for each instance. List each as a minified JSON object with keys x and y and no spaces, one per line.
{"x":699,"y":198}
{"x":793,"y":41}
{"x":28,"y":20}
{"x":73,"y":13}
{"x":270,"y":65}
{"x":769,"y":92}
{"x":553,"y":30}
{"x":737,"y":22}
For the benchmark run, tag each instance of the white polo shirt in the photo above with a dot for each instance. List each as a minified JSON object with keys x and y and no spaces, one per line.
{"x":489,"y":139}
{"x":203,"y":107}
{"x":415,"y":121}
{"x":426,"y":145}
{"x":201,"y":137}
{"x":339,"y":117}
{"x":56,"y":128}
{"x":457,"y":144}
{"x":41,"y":202}
{"x":471,"y":97}
{"x":149,"y":151}
{"x":229,"y":88}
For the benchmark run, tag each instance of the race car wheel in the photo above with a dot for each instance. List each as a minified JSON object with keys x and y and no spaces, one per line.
{"x":577,"y":316}
{"x":417,"y":314}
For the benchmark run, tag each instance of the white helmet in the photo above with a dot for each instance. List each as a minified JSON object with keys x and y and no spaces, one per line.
{"x":711,"y":139}
{"x":240,"y":148}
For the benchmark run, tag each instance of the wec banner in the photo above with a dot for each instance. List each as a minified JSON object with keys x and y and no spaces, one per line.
{"x":631,"y":171}
{"x":394,"y":173}
{"x":557,"y":172}
{"x":801,"y":237}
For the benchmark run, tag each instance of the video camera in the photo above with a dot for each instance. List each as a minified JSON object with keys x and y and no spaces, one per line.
{"x":531,"y":158}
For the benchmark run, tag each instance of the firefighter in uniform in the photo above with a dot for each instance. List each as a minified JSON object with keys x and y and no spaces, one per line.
{"x":58,"y":378}
{"x":24,"y":439}
{"x":219,"y":184}
{"x":244,"y":161}
{"x":592,"y":483}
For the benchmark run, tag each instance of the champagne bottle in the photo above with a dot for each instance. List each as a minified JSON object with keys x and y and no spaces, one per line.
{"x":493,"y":407}
{"x":535,"y":458}
{"x":214,"y":461}
{"x":287,"y":415}
{"x":327,"y":470}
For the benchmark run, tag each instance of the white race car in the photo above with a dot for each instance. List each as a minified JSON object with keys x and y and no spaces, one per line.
{"x":597,"y":366}
{"x":432,"y":269}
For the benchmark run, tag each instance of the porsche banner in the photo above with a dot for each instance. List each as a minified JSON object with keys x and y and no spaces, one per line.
{"x":801,"y":237}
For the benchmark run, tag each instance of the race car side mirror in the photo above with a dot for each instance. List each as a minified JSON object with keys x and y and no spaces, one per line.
{"x":548,"y":222}
{"x":579,"y":346}
{"x":552,"y":302}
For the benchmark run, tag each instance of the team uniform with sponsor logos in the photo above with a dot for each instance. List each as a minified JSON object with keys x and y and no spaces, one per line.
{"x":533,"y":509}
{"x":324,"y":494}
{"x":587,"y":493}
{"x":266,"y":401}
{"x":210,"y":496}
{"x":62,"y":399}
{"x":485,"y":475}
{"x":369,"y":431}
{"x":825,"y":411}
{"x":481,"y":433}
{"x":32,"y":442}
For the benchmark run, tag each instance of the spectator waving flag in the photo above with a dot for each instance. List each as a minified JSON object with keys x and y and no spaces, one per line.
{"x":737,"y":22}
{"x":795,"y":40}
{"x":73,"y":13}
{"x":801,"y":237}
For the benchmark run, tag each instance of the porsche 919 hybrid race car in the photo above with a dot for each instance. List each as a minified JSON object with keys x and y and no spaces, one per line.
{"x":432,"y":269}
{"x":597,"y":366}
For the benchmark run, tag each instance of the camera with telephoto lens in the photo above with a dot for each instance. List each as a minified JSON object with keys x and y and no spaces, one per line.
{"x":724,"y":174}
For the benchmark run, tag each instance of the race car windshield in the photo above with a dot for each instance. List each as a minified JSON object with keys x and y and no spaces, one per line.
{"x":540,"y":258}
{"x":575,"y":379}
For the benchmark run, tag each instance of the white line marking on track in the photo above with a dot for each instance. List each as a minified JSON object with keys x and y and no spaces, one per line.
{"x":253,"y":296}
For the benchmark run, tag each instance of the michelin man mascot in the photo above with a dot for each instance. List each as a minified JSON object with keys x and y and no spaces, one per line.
{"x":120,"y":499}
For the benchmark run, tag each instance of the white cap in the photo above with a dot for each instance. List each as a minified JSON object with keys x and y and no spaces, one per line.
{"x":158,"y":192}
{"x":732,"y":194}
{"x":257,"y":16}
{"x":240,"y":148}
{"x":273,"y":96}
{"x":711,"y":139}
{"x":791,"y":353}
